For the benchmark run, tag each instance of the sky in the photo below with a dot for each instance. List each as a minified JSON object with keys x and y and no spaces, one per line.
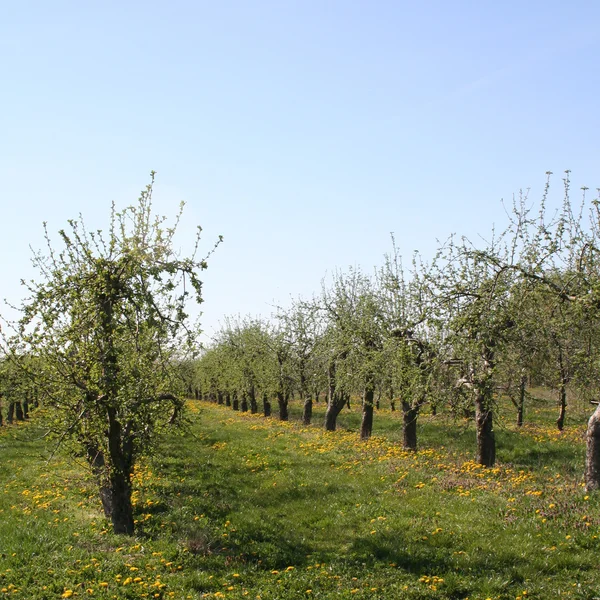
{"x":303,"y":132}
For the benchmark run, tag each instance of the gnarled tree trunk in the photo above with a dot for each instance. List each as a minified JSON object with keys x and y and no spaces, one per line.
{"x":366,"y":426}
{"x":282,"y":400}
{"x":10,"y":417}
{"x":562,"y":402}
{"x":97,"y":463}
{"x":410,"y":415}
{"x":307,"y":410}
{"x":253,"y":402}
{"x":484,"y":423}
{"x":521,"y":401}
{"x":266,"y":405}
{"x":334,"y":408}
{"x":592,"y":454}
{"x":120,"y":449}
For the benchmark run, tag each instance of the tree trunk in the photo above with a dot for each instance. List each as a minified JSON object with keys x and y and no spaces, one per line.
{"x":19,"y":411}
{"x":335,"y":400}
{"x":219,"y":397}
{"x":562,"y":395}
{"x":334,"y":408}
{"x":10,"y":417}
{"x":121,"y":451}
{"x":282,"y":400}
{"x":122,"y":510}
{"x":484,"y":423}
{"x":307,"y":410}
{"x":26,"y":406}
{"x":253,"y":402}
{"x":562,"y":392}
{"x":521,"y":403}
{"x":366,"y":426}
{"x":592,"y":454}
{"x":266,"y":405}
{"x":409,"y":425}
{"x":227,"y":399}
{"x":244,"y":403}
{"x":392,"y":405}
{"x":96,"y":459}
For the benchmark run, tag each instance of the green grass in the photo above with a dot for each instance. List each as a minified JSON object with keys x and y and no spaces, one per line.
{"x":245,"y":507}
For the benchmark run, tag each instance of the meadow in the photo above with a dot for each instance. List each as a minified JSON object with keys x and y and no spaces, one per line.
{"x":239,"y":506}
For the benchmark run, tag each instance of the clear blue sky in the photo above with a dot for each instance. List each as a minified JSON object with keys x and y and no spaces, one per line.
{"x":304,"y":132}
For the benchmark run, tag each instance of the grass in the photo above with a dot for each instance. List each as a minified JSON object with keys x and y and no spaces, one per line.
{"x":240,"y":506}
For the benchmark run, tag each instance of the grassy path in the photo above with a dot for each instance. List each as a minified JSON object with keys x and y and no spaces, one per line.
{"x":243,"y":507}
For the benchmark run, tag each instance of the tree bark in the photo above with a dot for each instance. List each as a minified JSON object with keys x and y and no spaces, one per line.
{"x":409,"y":425}
{"x":122,"y":510}
{"x":120,"y":448}
{"x":334,"y":408}
{"x":266,"y":405}
{"x":26,"y":406}
{"x":97,"y":463}
{"x":244,"y":403}
{"x":282,"y":400}
{"x":10,"y":417}
{"x":484,"y":423}
{"x":366,"y":426}
{"x":521,"y":403}
{"x":253,"y":402}
{"x":307,"y":410}
{"x":592,"y":454}
{"x":562,"y":392}
{"x":227,"y":399}
{"x":335,"y":401}
{"x":562,"y":398}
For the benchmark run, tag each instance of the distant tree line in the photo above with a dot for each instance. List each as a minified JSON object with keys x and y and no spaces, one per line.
{"x":477,"y":321}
